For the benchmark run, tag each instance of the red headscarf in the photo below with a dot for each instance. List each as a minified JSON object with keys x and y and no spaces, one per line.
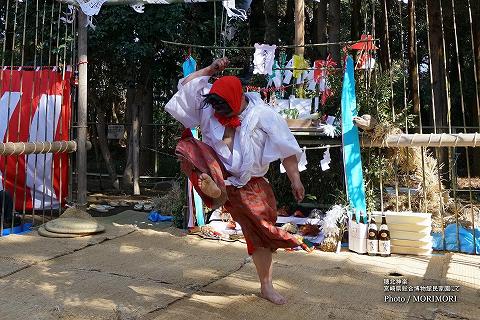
{"x":229,"y":88}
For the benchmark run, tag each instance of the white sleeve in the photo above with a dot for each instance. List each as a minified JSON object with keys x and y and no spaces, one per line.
{"x":280,"y":142}
{"x":185,"y":105}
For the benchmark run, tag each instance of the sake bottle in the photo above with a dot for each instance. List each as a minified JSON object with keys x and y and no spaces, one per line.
{"x":362,"y":220}
{"x":384,"y":238}
{"x":354,"y":217}
{"x":372,"y":240}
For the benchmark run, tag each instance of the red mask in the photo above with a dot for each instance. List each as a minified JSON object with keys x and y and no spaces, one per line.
{"x":229,"y":88}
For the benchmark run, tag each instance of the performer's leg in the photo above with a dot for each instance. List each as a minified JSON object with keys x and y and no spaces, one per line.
{"x":262,"y":258}
{"x":208,"y":186}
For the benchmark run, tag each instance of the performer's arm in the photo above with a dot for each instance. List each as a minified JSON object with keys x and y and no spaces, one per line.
{"x":185,"y":105}
{"x":216,"y":66}
{"x":291,"y":166}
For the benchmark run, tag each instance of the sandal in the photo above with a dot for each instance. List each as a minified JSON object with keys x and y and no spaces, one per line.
{"x":307,"y":248}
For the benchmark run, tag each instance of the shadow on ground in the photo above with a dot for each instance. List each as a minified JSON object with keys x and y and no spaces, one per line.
{"x":157,"y":272}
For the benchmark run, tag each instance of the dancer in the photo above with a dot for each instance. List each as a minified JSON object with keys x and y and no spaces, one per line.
{"x":241,"y":137}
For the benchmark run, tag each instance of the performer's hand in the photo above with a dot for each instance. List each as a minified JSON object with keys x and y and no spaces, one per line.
{"x":219,"y":65}
{"x":298,"y":190}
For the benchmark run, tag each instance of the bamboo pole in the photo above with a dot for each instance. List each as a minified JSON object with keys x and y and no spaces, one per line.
{"x":425,"y":140}
{"x":19,"y":148}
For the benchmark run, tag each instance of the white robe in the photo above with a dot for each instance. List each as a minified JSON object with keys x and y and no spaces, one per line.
{"x":262,"y":138}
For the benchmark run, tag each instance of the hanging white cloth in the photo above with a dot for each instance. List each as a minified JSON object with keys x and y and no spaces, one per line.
{"x":138,"y":7}
{"x":263,"y":58}
{"x":311,"y":82}
{"x":325,"y":162}
{"x":69,"y":16}
{"x":91,"y":7}
{"x":233,"y":12}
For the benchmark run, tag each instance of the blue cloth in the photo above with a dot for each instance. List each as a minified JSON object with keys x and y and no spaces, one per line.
{"x":154,"y":216}
{"x":351,"y":145}
{"x":189,"y":66}
{"x":196,"y":197}
{"x":465,"y":239}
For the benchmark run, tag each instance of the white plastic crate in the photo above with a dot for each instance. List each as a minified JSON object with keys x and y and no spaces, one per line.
{"x":357,"y":237}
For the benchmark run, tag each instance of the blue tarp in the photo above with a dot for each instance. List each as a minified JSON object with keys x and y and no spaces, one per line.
{"x":17,"y":230}
{"x":465,"y":239}
{"x":155,"y":216}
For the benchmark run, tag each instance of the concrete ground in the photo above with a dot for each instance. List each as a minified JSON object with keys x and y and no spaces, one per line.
{"x":139,"y":270}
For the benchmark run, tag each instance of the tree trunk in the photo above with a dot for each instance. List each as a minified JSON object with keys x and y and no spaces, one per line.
{"x":320,"y":25}
{"x":103,"y":144}
{"x":413,"y":86}
{"x":114,"y":113}
{"x":356,"y":23}
{"x":136,"y":146}
{"x":134,"y":109}
{"x":299,"y":27}
{"x":334,"y":28}
{"x":127,"y":180}
{"x":439,"y":87}
{"x":94,"y":135}
{"x":256,"y":22}
{"x":270,"y":8}
{"x":146,"y":159}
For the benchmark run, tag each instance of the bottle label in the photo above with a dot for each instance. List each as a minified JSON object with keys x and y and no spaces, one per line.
{"x":372,"y":246}
{"x":384,"y":247}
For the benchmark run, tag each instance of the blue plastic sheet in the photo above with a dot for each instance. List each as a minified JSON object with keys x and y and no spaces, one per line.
{"x":23,"y":228}
{"x":465,"y":239}
{"x":154,"y":216}
{"x":189,"y":66}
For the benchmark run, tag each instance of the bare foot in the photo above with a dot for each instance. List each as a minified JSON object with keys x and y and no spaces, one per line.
{"x":208,"y":186}
{"x":272,"y":295}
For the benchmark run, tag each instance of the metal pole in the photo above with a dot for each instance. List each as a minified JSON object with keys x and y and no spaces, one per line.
{"x":82,"y":111}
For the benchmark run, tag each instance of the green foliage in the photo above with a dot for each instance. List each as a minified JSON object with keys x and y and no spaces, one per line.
{"x":290,"y":113}
{"x":374,"y":97}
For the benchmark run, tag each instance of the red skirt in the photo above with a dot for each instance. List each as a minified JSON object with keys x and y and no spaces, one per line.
{"x":253,"y":206}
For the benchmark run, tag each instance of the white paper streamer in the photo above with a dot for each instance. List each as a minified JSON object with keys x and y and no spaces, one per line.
{"x":302,"y":164}
{"x":263,"y":58}
{"x":138,"y":7}
{"x":325,"y":162}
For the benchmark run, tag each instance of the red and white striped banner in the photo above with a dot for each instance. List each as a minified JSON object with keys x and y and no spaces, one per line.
{"x":35,"y":106}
